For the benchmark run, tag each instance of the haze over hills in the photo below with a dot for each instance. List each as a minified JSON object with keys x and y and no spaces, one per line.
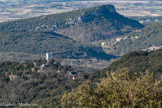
{"x":103,"y":23}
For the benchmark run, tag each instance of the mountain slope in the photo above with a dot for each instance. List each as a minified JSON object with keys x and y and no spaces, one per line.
{"x":138,"y":61}
{"x":86,"y":25}
{"x":148,"y":38}
{"x":39,"y":82}
{"x":44,"y":83}
{"x":39,"y":43}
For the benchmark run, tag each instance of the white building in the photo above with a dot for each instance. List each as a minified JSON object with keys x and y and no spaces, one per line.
{"x":118,"y":39}
{"x":49,"y":56}
{"x":153,"y":48}
{"x":103,"y":43}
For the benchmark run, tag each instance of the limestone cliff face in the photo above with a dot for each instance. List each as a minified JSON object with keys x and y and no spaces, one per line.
{"x":90,"y":14}
{"x":98,"y":23}
{"x":97,"y":12}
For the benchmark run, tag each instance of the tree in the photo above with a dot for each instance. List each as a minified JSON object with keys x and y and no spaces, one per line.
{"x":119,"y":89}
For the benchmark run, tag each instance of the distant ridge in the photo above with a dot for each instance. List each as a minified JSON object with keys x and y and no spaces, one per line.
{"x":85,"y":25}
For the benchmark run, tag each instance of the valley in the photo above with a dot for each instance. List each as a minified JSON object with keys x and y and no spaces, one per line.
{"x":66,"y":35}
{"x":29,"y":39}
{"x":83,"y":54}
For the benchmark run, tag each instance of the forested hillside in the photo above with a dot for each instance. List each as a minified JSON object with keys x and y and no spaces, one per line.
{"x":149,"y":38}
{"x":39,"y":43}
{"x":59,"y":34}
{"x":138,"y":61}
{"x":44,"y":82}
{"x":40,"y":82}
{"x":86,"y":25}
{"x":133,"y":81}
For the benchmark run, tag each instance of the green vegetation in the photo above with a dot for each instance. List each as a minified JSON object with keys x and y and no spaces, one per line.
{"x":118,"y":90}
{"x":140,"y":40}
{"x":44,"y":83}
{"x":103,"y":22}
{"x":30,"y":82}
{"x":128,"y":82}
{"x":137,"y":62}
{"x":56,"y":33}
{"x":38,"y":43}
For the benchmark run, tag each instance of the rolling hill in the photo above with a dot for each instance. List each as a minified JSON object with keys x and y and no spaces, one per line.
{"x":149,"y":38}
{"x":85,"y":25}
{"x":16,"y":42}
{"x":62,"y":33}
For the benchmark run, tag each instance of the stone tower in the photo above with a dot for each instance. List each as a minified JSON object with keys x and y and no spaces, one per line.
{"x":48,"y":56}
